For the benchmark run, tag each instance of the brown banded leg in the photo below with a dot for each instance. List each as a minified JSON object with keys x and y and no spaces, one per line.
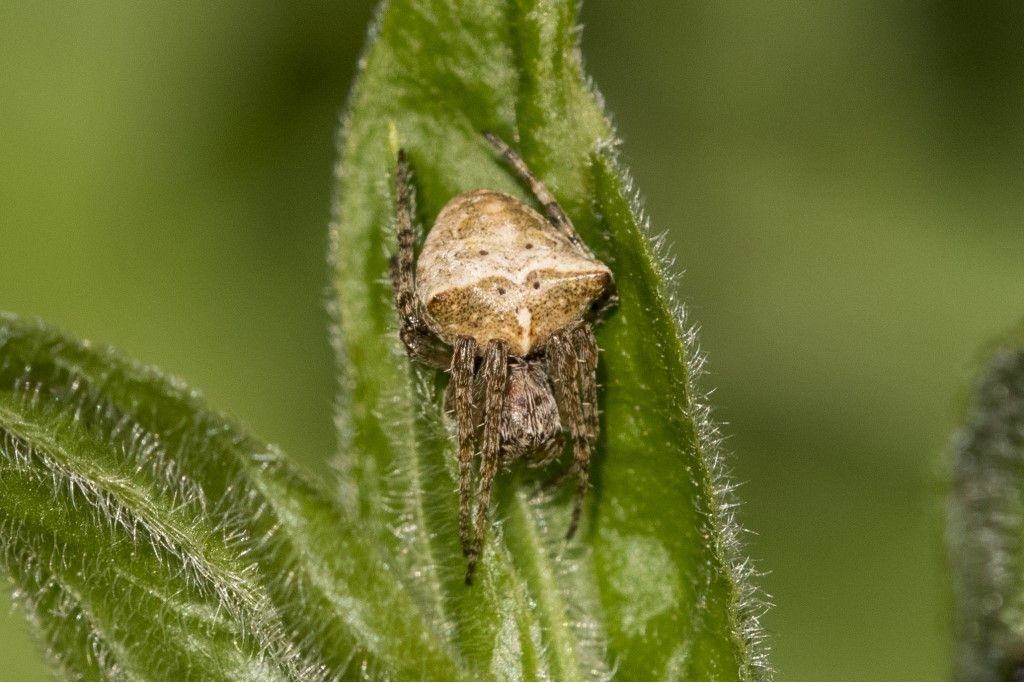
{"x":402,"y":278}
{"x":494,"y":373}
{"x":463,"y":360}
{"x":587,"y":353}
{"x":552,"y":208}
{"x":420,"y":342}
{"x":572,"y":366}
{"x":562,"y":371}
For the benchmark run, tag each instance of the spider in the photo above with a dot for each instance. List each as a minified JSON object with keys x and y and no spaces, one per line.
{"x":504,"y":299}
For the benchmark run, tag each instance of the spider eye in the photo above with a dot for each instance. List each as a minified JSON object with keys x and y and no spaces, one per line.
{"x":536,"y":285}
{"x":501,"y":290}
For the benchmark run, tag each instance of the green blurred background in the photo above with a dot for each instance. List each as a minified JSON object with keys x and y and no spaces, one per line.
{"x":842,"y":184}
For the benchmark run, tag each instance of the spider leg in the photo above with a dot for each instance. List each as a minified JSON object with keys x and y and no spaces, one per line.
{"x":495,"y":376}
{"x":463,"y":360}
{"x":552,"y":208}
{"x":564,"y":371}
{"x":421,"y":343}
{"x":584,"y":341}
{"x":572,"y":366}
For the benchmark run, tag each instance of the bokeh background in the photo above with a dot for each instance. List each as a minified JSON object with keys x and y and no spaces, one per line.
{"x":843,"y":184}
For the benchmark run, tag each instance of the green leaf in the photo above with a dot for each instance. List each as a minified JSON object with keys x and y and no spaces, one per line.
{"x":986,"y":521}
{"x":152,"y":539}
{"x":654,"y":586}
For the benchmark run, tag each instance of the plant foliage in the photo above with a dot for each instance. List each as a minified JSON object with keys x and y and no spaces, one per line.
{"x":986,"y":522}
{"x":152,"y":539}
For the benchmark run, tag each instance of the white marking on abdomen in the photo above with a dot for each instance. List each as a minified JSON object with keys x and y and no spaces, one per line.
{"x":525,"y":319}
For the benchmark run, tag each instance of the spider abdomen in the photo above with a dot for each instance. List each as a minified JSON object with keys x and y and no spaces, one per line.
{"x":492,"y":268}
{"x":530,"y":426}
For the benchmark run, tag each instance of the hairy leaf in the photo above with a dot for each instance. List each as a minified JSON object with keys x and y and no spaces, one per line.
{"x":986,"y":522}
{"x":653,"y":586}
{"x":152,"y":539}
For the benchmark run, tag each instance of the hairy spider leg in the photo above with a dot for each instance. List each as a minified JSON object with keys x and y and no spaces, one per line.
{"x":463,"y":360}
{"x":572,"y":366}
{"x":495,"y":376}
{"x":421,"y":343}
{"x":585,"y":343}
{"x":552,"y":208}
{"x":563,"y":370}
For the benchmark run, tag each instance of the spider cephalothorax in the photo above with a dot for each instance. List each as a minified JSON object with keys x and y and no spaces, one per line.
{"x":504,"y":300}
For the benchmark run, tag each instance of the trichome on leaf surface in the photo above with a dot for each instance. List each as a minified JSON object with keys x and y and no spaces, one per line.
{"x":149,"y":537}
{"x":985,"y":519}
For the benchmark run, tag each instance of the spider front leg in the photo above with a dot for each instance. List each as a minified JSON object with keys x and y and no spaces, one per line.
{"x":462,"y":369}
{"x":494,"y":373}
{"x":572,"y":366}
{"x":421,"y":343}
{"x":583,"y":339}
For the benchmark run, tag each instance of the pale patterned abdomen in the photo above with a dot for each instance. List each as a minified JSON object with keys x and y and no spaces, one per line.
{"x":493,"y":268}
